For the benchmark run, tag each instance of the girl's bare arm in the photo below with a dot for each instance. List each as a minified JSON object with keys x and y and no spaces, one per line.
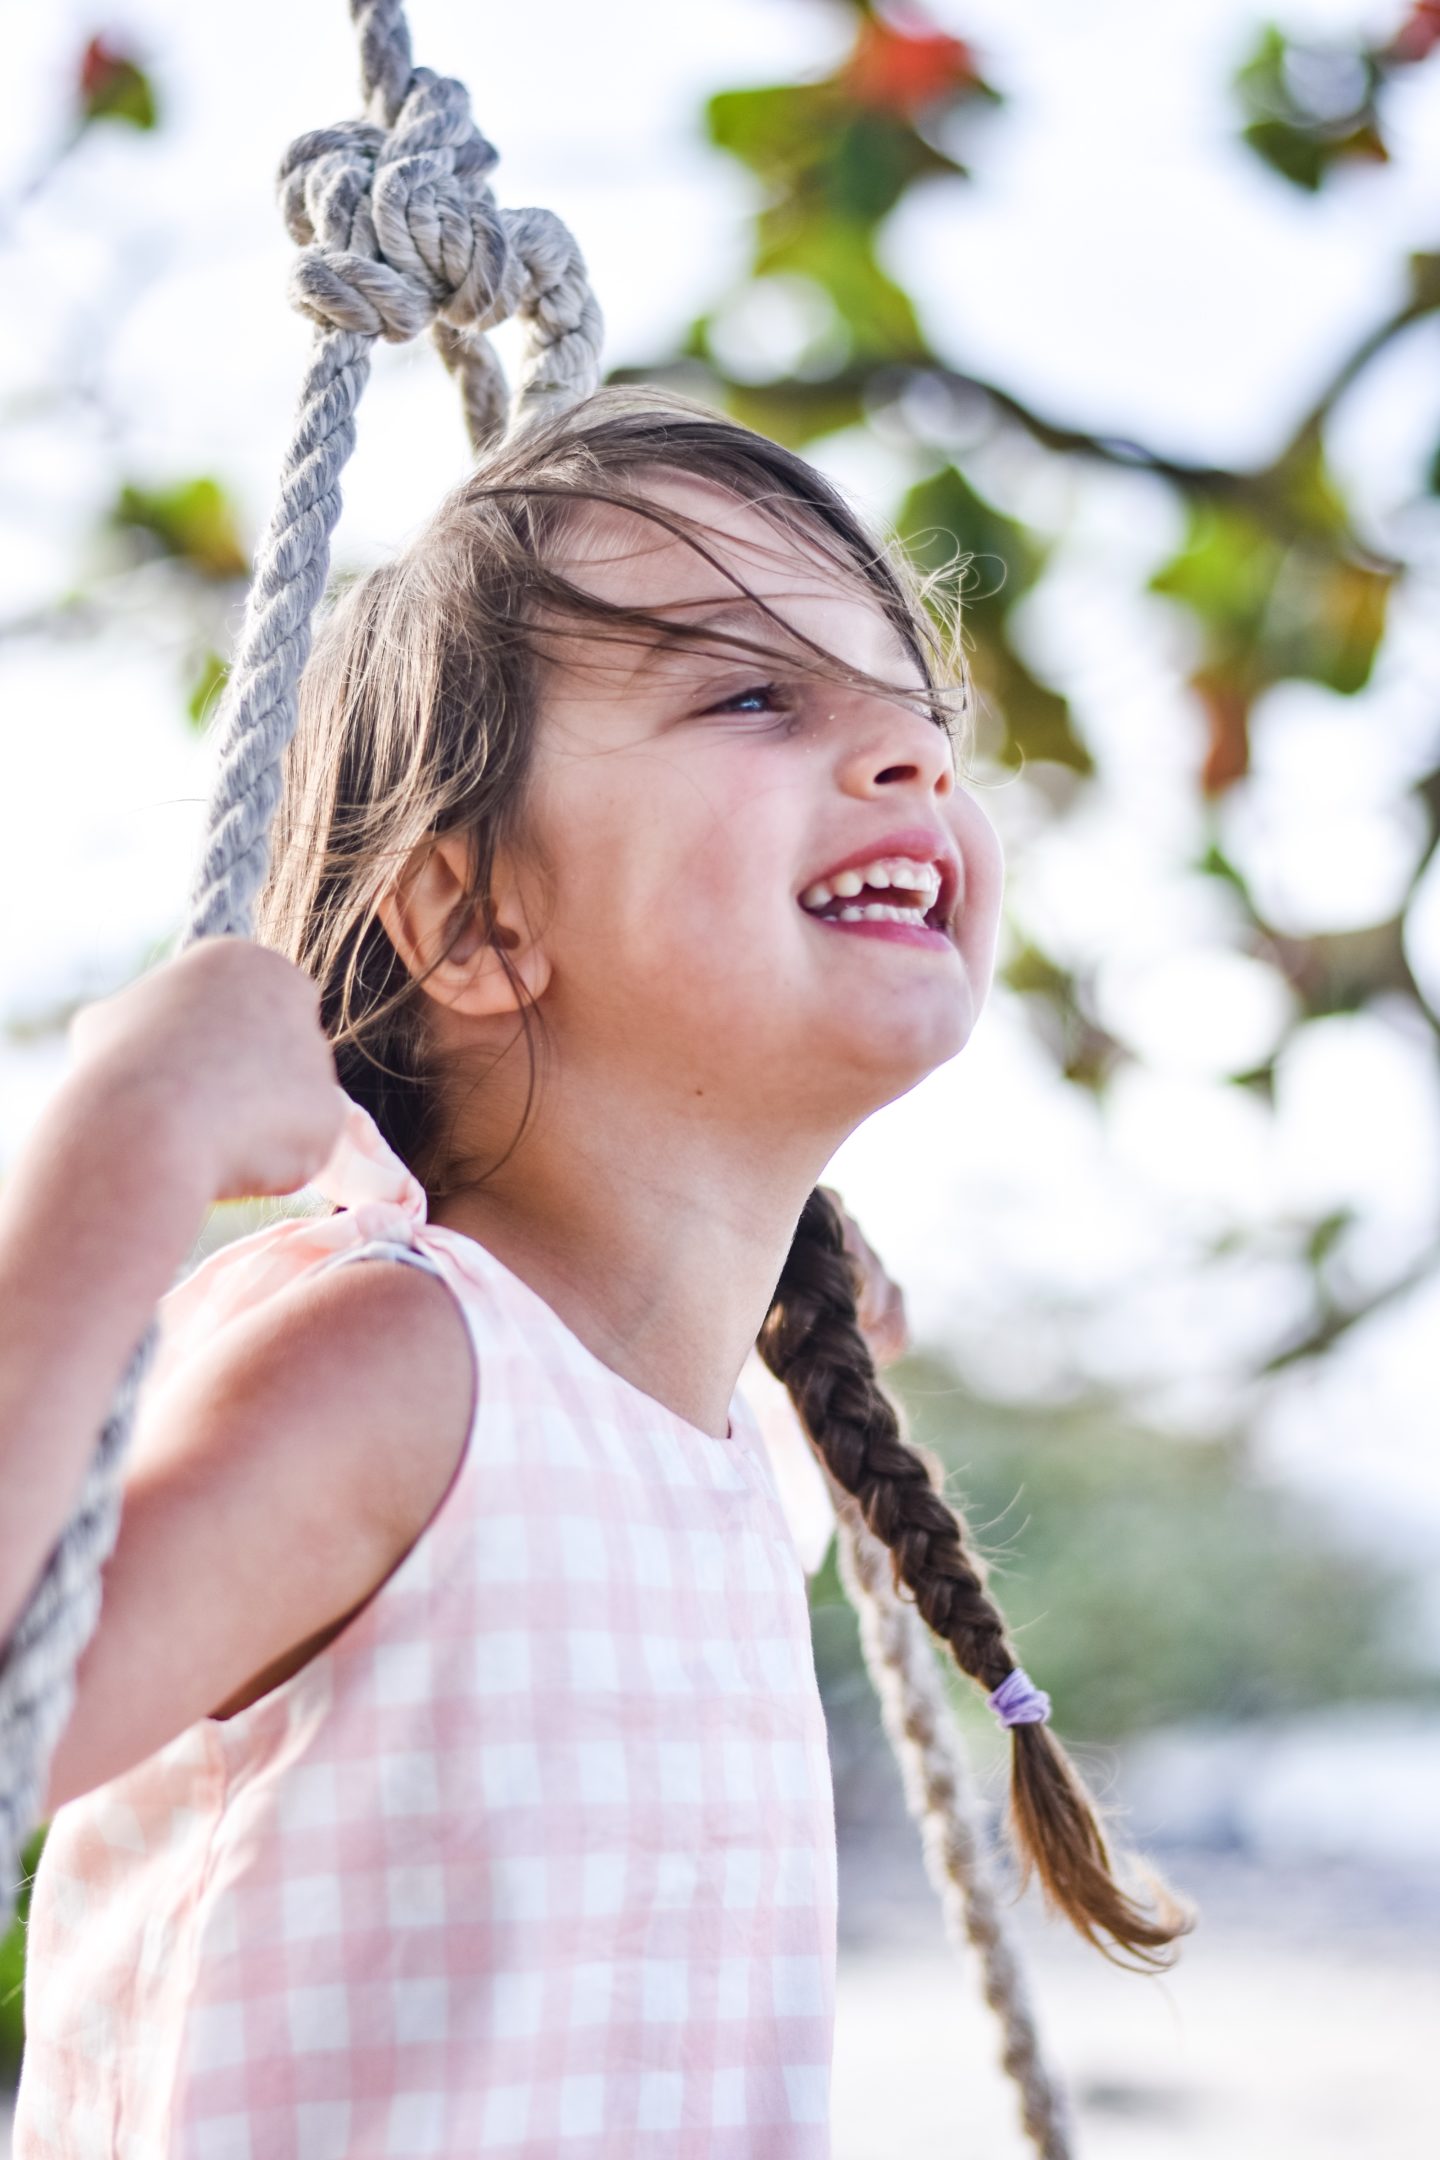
{"x":275,"y":1481}
{"x":207,"y":1078}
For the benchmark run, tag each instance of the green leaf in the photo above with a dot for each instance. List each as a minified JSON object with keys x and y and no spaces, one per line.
{"x":193,"y":522}
{"x":1225,"y":572}
{"x":777,"y":132}
{"x":1326,"y":1234}
{"x":113,"y":86}
{"x":1258,"y":1081}
{"x":1292,"y":152}
{"x":1343,"y":614}
{"x":814,"y":148}
{"x":873,"y":160}
{"x":1032,"y":973}
{"x":794,"y":412}
{"x":946,"y":523}
{"x":210,"y":679}
{"x":1275,"y":607}
{"x":1216,"y":863}
{"x":1038,"y":722}
{"x":946,"y":510}
{"x":837,"y":254}
{"x":12,"y":1968}
{"x":1310,"y":106}
{"x":1309,"y":491}
{"x":1424,"y":279}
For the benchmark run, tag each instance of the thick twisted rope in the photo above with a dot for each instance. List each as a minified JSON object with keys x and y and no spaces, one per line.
{"x":399,"y":232}
{"x":940,"y":1795}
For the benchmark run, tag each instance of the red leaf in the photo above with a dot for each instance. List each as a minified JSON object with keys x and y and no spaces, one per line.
{"x":1227,"y":751}
{"x":1418,"y":35}
{"x":903,"y":70}
{"x":100,"y":66}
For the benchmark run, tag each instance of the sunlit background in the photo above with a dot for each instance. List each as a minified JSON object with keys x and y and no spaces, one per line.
{"x":1139,"y":307}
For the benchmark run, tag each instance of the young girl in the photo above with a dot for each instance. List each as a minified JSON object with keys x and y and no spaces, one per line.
{"x":455,"y":1776}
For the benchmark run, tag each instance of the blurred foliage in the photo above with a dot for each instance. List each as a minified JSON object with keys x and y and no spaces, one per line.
{"x":1274,"y":579}
{"x":192,"y":522}
{"x":113,"y":86}
{"x":1001,"y":563}
{"x":211,"y":675}
{"x":1145,"y":1583}
{"x":190,"y":526}
{"x":1295,"y":595}
{"x":835,"y":157}
{"x":1312,"y":105}
{"x":108,"y":83}
{"x":12,"y":1969}
{"x":1272,"y":573}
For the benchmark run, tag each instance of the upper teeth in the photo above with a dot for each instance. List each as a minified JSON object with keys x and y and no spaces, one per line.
{"x":899,"y":870}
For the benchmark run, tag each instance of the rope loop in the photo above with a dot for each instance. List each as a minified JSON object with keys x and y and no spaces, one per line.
{"x":396,"y":225}
{"x":399,"y":232}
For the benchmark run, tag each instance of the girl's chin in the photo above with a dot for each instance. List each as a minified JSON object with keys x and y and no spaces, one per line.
{"x":891,"y":1055}
{"x":912,"y":1014}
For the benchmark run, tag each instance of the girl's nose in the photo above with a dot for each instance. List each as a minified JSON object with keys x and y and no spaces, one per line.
{"x":899,"y":748}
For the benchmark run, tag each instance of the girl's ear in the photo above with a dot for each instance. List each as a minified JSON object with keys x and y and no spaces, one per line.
{"x":438,"y":931}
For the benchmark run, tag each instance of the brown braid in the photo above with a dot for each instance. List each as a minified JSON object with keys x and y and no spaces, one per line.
{"x":812,"y":1341}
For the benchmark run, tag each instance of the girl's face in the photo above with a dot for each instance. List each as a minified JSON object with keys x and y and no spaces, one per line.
{"x":688,"y":802}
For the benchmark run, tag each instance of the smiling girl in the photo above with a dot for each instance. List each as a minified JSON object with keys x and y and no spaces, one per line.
{"x":454,"y":1772}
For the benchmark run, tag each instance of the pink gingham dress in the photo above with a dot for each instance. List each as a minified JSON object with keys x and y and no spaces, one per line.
{"x":536,"y":1857}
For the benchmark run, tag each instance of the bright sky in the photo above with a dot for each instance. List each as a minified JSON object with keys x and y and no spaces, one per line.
{"x":1119,"y":263}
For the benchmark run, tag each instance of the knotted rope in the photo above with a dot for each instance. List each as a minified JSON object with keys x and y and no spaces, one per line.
{"x":399,"y":232}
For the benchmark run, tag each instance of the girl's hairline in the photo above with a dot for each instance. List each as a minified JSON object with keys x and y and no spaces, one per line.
{"x":851,"y":570}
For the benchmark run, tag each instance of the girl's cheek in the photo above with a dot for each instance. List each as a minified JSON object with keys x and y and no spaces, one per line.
{"x":983,"y":854}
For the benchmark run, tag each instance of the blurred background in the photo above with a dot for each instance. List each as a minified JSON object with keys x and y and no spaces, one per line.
{"x":1138,"y":308}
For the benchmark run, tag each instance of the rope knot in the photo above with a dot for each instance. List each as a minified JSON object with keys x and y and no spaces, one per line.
{"x":396,"y":226}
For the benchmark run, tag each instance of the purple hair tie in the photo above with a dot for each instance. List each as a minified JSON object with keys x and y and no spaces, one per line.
{"x":1017,"y":1700}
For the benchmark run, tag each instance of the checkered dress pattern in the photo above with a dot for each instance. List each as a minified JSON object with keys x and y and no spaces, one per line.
{"x":535,"y":1857}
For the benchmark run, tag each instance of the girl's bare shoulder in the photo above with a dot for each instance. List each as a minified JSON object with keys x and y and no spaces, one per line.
{"x":275,"y":1481}
{"x":365,"y":1372}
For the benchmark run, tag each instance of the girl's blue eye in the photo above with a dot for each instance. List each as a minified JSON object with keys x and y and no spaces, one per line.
{"x":770,"y":694}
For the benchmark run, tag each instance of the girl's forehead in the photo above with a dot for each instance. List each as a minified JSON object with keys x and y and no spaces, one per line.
{"x":627,"y":558}
{"x":744,"y":568}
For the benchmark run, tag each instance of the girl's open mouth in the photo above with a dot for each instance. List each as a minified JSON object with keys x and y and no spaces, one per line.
{"x":898,"y":897}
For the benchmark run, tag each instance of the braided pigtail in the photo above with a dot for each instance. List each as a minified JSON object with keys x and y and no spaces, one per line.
{"x":812,"y":1341}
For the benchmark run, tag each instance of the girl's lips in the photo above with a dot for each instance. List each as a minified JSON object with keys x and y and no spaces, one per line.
{"x":922,"y":843}
{"x":917,"y":933}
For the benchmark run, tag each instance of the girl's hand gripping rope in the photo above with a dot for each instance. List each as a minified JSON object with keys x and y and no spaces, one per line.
{"x":221,"y":1052}
{"x":207,"y":1079}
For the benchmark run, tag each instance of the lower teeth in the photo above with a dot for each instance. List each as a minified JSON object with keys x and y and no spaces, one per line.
{"x":878,"y":914}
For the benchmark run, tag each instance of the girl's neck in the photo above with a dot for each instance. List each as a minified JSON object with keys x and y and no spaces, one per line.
{"x":655,"y":1234}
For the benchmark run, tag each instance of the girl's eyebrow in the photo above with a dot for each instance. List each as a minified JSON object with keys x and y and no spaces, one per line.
{"x":727,"y":615}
